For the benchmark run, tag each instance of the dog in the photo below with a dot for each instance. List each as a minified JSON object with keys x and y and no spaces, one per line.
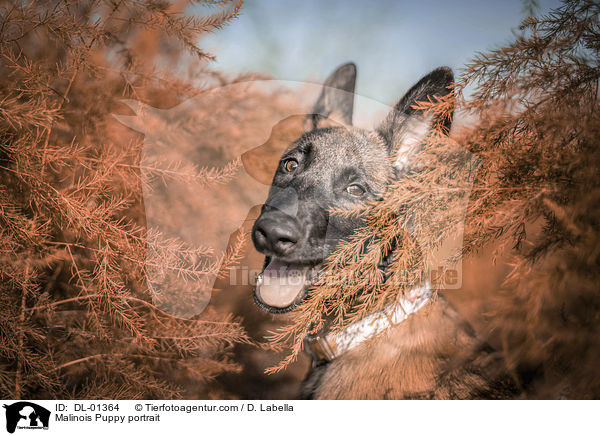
{"x":425,"y":350}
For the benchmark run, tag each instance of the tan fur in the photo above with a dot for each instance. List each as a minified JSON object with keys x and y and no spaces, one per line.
{"x":434,"y":354}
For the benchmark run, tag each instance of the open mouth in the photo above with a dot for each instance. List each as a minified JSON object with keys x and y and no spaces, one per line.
{"x":282,"y":286}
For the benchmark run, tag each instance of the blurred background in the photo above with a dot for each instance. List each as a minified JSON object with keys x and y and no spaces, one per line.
{"x":393,"y":43}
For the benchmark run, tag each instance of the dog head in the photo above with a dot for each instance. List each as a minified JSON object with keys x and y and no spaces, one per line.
{"x":333,"y":165}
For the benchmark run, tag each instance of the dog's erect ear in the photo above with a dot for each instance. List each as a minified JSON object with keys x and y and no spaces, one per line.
{"x":336,"y":100}
{"x":405,"y":127}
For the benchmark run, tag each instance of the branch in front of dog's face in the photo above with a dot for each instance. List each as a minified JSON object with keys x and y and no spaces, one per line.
{"x":383,"y":256}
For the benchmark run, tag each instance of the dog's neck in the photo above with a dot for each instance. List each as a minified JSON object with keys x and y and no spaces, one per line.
{"x":326,"y":347}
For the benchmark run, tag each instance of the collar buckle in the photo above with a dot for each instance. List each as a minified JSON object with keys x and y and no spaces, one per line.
{"x":320,"y":349}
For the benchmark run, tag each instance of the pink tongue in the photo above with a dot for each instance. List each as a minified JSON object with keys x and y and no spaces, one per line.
{"x":281,"y":284}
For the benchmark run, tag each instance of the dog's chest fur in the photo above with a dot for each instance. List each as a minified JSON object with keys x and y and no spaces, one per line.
{"x":434,"y":354}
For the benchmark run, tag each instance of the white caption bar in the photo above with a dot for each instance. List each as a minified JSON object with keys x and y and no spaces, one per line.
{"x":41,"y":418}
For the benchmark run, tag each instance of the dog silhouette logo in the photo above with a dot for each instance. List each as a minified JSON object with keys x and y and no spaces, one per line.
{"x":26,"y":415}
{"x":186,"y":146}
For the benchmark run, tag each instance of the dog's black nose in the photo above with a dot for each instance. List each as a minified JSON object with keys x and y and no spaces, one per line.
{"x":275,"y":234}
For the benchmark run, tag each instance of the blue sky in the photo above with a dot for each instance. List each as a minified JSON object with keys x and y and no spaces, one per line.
{"x":393,"y":43}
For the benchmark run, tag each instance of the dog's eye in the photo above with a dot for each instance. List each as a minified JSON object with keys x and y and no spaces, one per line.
{"x":290,"y":165}
{"x":355,"y":190}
